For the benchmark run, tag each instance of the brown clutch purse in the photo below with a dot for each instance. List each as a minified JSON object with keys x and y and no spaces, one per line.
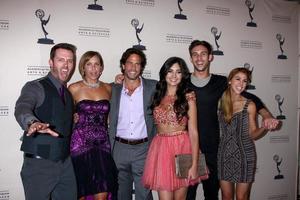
{"x":183,"y":163}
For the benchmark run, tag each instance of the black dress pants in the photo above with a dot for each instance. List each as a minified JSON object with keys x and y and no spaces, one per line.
{"x":211,"y":185}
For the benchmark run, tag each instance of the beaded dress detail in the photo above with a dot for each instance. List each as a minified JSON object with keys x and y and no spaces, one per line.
{"x":159,"y":170}
{"x":164,"y":113}
{"x":236,"y":154}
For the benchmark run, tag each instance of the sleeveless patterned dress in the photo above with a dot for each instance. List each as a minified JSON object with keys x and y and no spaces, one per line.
{"x":236,"y":153}
{"x":94,"y":167}
{"x":159,"y":170}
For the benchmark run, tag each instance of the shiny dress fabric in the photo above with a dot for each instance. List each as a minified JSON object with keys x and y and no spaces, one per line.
{"x":94,"y":167}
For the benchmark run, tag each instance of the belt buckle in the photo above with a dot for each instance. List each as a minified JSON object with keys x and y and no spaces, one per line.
{"x":139,"y":141}
{"x":134,"y":142}
{"x":29,"y":155}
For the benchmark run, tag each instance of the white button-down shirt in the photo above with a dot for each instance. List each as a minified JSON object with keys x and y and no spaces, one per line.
{"x":131,"y":120}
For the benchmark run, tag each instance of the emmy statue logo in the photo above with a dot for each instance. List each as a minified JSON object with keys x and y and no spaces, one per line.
{"x":135,"y":23}
{"x":279,"y":102}
{"x":95,"y":6}
{"x":214,"y":31}
{"x":278,"y":161}
{"x":180,"y":15}
{"x":40,"y":14}
{"x":250,"y":9}
{"x":247,"y":66}
{"x":281,"y":42}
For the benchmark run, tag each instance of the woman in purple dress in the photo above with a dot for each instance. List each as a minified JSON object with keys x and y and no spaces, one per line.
{"x":95,"y":170}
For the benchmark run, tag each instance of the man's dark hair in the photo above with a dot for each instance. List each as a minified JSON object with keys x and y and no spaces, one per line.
{"x":128,"y":53}
{"x":203,"y":43}
{"x":66,"y":46}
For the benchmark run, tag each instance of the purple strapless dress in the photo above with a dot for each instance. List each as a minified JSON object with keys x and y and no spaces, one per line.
{"x":94,"y":167}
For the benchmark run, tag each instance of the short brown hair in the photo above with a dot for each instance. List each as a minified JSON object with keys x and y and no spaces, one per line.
{"x":85,"y":58}
{"x":65,"y":46}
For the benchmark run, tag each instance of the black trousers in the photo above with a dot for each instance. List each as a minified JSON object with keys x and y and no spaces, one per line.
{"x":211,"y":185}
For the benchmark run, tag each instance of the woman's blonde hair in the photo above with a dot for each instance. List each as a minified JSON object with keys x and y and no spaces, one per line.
{"x":225,"y":101}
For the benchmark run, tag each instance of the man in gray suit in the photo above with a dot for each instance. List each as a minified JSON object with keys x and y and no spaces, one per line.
{"x":131,"y":124}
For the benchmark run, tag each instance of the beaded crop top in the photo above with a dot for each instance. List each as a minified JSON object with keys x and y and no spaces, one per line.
{"x":165,"y":114}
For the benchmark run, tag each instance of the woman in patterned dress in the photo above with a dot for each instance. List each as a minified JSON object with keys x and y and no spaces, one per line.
{"x":175,"y":119}
{"x":95,"y":170}
{"x":238,"y":127}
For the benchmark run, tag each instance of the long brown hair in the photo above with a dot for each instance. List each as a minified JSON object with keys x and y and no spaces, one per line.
{"x":225,"y":101}
{"x":180,"y":105}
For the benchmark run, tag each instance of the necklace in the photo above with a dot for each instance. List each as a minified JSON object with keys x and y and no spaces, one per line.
{"x":92,"y":85}
{"x":130,"y":90}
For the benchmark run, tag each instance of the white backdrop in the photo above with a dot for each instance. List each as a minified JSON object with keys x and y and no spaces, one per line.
{"x":110,"y":32}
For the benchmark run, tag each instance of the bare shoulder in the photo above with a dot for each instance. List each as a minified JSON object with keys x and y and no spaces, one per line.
{"x":251,"y":107}
{"x":108,"y":87}
{"x":74,"y":86}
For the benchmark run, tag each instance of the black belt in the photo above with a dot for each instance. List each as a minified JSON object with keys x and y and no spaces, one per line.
{"x":30,"y":155}
{"x":131,"y":142}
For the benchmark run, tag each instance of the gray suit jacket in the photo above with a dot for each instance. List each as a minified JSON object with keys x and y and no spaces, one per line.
{"x":148,"y":92}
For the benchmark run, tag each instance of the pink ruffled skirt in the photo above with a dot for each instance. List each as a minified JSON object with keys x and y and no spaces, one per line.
{"x":159,"y":170}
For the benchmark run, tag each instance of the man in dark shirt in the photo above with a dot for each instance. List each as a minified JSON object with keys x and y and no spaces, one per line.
{"x":209,"y":88}
{"x":44,"y":110}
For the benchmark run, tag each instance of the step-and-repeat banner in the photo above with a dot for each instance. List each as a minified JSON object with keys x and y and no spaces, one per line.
{"x":261,"y":35}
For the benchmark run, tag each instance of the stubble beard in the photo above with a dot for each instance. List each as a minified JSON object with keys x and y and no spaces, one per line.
{"x":201,"y":69}
{"x":132,"y":78}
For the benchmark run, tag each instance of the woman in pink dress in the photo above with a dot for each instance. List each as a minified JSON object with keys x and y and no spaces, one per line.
{"x":176,"y":121}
